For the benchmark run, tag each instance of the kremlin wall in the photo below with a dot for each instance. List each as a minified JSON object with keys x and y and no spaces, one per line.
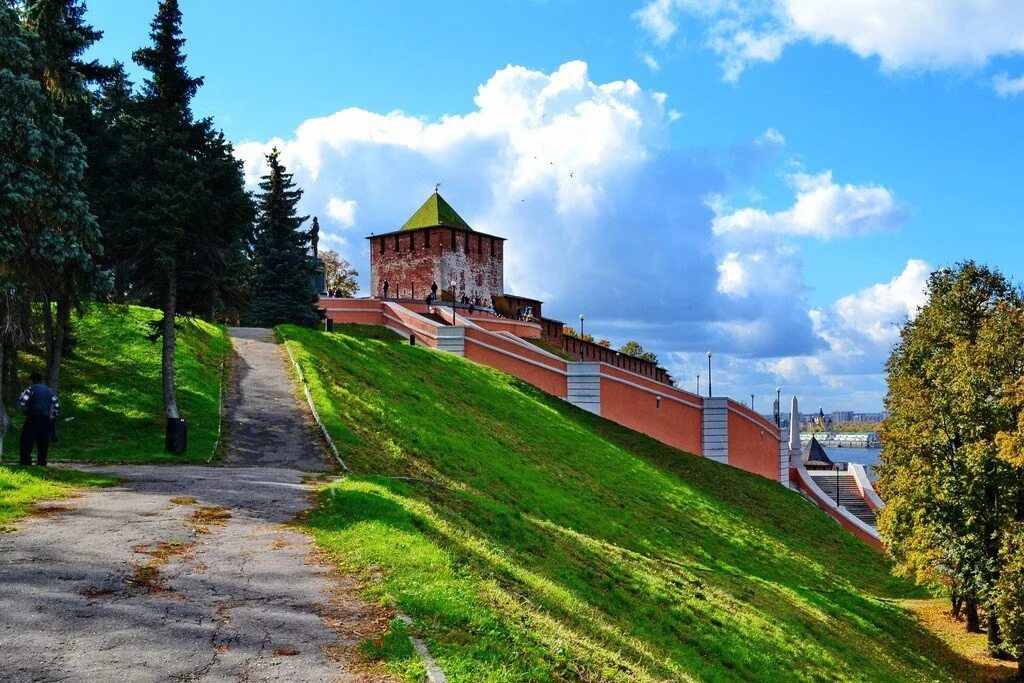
{"x":412,"y":273}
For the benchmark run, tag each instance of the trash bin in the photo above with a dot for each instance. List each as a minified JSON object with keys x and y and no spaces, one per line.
{"x":177,"y":435}
{"x":412,"y":340}
{"x":330,"y":324}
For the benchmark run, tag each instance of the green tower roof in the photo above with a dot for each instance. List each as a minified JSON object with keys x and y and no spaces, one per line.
{"x":435,"y":211}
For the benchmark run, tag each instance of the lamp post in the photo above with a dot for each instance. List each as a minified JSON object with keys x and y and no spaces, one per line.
{"x":698,"y":384}
{"x":751,"y":401}
{"x":838,"y":503}
{"x":778,"y":406}
{"x":709,"y":374}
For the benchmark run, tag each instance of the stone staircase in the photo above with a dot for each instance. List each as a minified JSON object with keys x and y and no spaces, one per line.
{"x":848,"y":495}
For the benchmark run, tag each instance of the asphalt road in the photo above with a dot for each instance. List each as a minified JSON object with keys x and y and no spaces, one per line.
{"x":189,"y":573}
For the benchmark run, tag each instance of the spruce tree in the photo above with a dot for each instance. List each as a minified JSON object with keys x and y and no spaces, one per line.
{"x":283,"y":269}
{"x":63,"y":37}
{"x":45,"y":223}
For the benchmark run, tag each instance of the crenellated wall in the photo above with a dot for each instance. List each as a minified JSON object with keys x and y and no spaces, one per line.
{"x":717,"y":428}
{"x":411,"y":261}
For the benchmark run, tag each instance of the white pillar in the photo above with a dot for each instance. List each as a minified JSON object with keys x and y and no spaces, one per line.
{"x":715,"y":429}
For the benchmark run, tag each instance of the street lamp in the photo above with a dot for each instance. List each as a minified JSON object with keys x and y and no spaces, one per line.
{"x":709,"y":374}
{"x":751,"y":401}
{"x":698,"y":384}
{"x":778,"y":406}
{"x":839,"y":503}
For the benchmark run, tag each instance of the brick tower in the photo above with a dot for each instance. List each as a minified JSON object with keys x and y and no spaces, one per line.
{"x":436,"y":246}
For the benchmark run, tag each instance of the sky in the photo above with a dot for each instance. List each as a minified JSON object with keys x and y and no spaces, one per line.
{"x":771,"y":180}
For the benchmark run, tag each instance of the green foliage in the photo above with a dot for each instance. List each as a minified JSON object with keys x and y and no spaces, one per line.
{"x":633,"y":348}
{"x":532,"y":541}
{"x":110,"y":395}
{"x":949,"y":494}
{"x":1010,"y":590}
{"x":283,"y":270}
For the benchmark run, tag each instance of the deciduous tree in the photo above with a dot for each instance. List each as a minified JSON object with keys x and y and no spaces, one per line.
{"x":949,"y":494}
{"x":633,"y":348}
{"x":341,"y":276}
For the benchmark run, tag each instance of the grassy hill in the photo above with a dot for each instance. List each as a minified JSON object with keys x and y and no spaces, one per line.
{"x":530,"y":540}
{"x":110,"y":391}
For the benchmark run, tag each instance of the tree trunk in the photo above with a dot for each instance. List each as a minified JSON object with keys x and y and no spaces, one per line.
{"x":48,"y":332}
{"x":995,"y":642}
{"x":971,"y":610}
{"x":4,"y":422}
{"x":59,"y":335}
{"x":956,"y":603}
{"x":167,"y":359}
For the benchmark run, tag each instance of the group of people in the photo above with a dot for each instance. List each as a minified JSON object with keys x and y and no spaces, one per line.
{"x":40,"y":405}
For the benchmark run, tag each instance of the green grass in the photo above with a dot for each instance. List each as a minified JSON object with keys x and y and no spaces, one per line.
{"x":110,"y":390}
{"x":533,"y":541}
{"x":550,"y":348}
{"x":20,"y":487}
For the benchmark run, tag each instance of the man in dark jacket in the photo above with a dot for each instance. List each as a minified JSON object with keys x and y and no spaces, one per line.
{"x":40,"y":405}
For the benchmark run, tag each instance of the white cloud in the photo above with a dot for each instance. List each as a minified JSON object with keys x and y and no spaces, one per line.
{"x":772,"y":136}
{"x":875,"y":311}
{"x":343,"y":211}
{"x":902,"y":34}
{"x":1006,"y":86}
{"x":656,"y":18}
{"x":601,"y":216}
{"x":650,"y":62}
{"x":822,"y":208}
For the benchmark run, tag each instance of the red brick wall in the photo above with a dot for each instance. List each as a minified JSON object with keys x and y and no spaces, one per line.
{"x":423,"y":257}
{"x":753,"y":442}
{"x":670,"y":421}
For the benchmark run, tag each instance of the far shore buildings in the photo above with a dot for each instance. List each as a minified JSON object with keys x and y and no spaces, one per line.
{"x":437,"y":251}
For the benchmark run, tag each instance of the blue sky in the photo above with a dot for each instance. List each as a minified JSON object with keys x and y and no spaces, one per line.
{"x":769,"y":179}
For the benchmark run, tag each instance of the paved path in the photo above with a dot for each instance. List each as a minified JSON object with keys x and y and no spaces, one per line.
{"x":186,"y":573}
{"x":271,"y":427}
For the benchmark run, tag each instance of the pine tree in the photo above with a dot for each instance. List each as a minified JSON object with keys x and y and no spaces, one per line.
{"x":45,"y":223}
{"x":283,"y":270}
{"x":63,"y":37}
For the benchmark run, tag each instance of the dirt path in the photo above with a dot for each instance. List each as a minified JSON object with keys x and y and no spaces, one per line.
{"x":187,"y":573}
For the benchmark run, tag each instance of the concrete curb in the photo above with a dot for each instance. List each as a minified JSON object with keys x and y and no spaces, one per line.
{"x":434,"y":672}
{"x":309,"y":400}
{"x":220,"y":403}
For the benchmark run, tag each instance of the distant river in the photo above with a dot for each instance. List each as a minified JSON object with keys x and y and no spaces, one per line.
{"x":865,"y":456}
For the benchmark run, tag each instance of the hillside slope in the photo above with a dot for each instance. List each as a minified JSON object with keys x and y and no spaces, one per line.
{"x":110,"y":389}
{"x":530,"y":540}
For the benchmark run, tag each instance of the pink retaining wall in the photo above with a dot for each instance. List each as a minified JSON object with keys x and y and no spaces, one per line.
{"x":661,"y":411}
{"x":657,"y":410}
{"x":753,"y":442}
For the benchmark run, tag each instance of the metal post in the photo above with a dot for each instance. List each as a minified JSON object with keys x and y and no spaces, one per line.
{"x":838,"y":504}
{"x":698,"y":384}
{"x":709,"y":374}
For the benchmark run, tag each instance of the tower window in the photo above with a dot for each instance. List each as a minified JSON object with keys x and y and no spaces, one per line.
{"x":453,"y":240}
{"x":426,"y":238}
